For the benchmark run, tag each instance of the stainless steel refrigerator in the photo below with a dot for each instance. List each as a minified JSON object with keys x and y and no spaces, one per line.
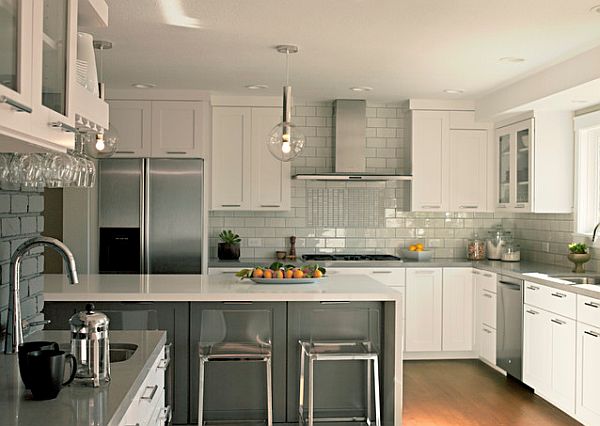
{"x":151,"y":216}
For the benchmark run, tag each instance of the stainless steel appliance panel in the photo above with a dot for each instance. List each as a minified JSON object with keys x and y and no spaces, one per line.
{"x":509,"y":327}
{"x":173,"y":216}
{"x":120,"y":183}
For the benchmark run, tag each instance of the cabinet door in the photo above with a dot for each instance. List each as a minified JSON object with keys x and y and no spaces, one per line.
{"x":537,"y":349}
{"x":53,"y":73}
{"x":487,"y":344}
{"x":231,"y":145}
{"x":457,"y":310}
{"x":132,"y":122}
{"x":504,"y":196}
{"x":523,"y":151}
{"x":178,"y":129}
{"x":430,"y":148}
{"x":271,"y":181}
{"x":487,"y":308}
{"x":564,"y":338}
{"x":468,"y":170}
{"x":15,"y":65}
{"x":588,"y":374}
{"x":423,"y":310}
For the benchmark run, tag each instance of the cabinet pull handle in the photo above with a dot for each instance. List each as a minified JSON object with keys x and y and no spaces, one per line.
{"x":237,"y":303}
{"x":17,"y":106}
{"x":592,"y":304}
{"x":487,"y":331}
{"x":270,"y":205}
{"x":501,"y":206}
{"x":430,"y":207}
{"x":557,"y":321}
{"x":62,"y":126}
{"x":468,"y":207}
{"x":529,"y":311}
{"x":424,"y":271}
{"x":382,"y":272}
{"x":332,"y":302}
{"x":591,"y":333}
{"x":229,"y":272}
{"x":176,"y":152}
{"x":487,"y":295}
{"x":561,"y":295}
{"x":164,"y":363}
{"x":487,"y":275}
{"x":519,"y":206}
{"x":531,"y":287}
{"x":474,"y":272}
{"x":152,"y":392}
{"x":231,"y":205}
{"x":125,"y":152}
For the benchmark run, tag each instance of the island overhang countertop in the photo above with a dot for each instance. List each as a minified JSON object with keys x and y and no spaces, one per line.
{"x":212,"y":288}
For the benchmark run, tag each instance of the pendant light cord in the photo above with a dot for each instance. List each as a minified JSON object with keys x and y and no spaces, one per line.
{"x":287,"y":68}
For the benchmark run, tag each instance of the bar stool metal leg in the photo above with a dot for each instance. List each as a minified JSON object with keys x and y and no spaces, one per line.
{"x":376,"y":385}
{"x":311,"y":385}
{"x":269,"y":392}
{"x":301,"y":390}
{"x":201,"y":390}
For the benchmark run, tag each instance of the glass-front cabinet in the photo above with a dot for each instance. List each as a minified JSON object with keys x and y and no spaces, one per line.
{"x":514,"y":161}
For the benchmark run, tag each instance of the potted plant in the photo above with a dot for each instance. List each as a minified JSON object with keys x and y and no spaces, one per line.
{"x":229,"y":247}
{"x":579,"y":254}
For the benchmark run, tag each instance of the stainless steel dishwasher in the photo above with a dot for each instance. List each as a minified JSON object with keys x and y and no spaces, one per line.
{"x":509,"y":327}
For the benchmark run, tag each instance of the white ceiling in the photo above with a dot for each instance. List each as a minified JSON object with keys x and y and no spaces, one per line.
{"x":401,"y":48}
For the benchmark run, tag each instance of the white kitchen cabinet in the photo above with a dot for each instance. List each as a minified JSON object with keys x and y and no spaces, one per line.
{"x":231,"y":168}
{"x":587,"y":408}
{"x":537,"y":345}
{"x":534,"y":160}
{"x":487,"y":344}
{"x":245,"y":176}
{"x":468,"y":170}
{"x":132,"y":120}
{"x":564,"y":363}
{"x":178,"y":129}
{"x":423,"y":330}
{"x":487,"y":308}
{"x":457,"y":309}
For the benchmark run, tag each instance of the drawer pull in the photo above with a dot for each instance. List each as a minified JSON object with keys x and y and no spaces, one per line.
{"x":231,"y":205}
{"x":474,"y":272}
{"x":237,"y":303}
{"x":487,"y":295}
{"x":63,"y":126}
{"x":529,"y":311}
{"x":531,"y":287}
{"x":430,"y":207}
{"x":561,"y":295}
{"x":382,"y":272}
{"x":519,"y":206}
{"x":487,"y":331}
{"x":557,"y":321}
{"x":501,"y":206}
{"x":176,"y":152}
{"x":424,"y":271}
{"x":591,"y":333}
{"x":468,"y":207}
{"x":125,"y":152}
{"x":487,"y":275}
{"x":17,"y":106}
{"x":592,"y":304}
{"x":341,"y":302}
{"x":166,"y":361}
{"x":152,"y":392}
{"x":270,"y":205}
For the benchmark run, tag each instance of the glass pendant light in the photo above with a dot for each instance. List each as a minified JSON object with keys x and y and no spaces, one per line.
{"x":286,"y":141}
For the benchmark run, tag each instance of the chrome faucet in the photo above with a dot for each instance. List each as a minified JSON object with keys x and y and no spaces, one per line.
{"x":14,"y":326}
{"x":594,"y":233}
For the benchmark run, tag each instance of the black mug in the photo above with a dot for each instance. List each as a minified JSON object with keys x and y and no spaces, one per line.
{"x":46,"y":372}
{"x":24,"y":349}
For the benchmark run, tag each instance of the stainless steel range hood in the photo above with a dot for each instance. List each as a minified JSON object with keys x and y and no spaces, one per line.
{"x":349,"y":140}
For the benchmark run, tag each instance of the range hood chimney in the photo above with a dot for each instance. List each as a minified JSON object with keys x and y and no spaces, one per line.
{"x":349,"y":142}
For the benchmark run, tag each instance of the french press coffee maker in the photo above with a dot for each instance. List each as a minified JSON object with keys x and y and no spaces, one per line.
{"x":90,"y":346}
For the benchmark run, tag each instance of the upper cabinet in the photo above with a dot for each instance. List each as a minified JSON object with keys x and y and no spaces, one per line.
{"x":39,"y":105}
{"x":534,"y":164}
{"x":160,"y":129}
{"x":245,"y":176}
{"x":450,"y":161}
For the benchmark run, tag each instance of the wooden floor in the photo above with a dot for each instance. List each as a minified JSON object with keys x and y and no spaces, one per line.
{"x":467,"y":392}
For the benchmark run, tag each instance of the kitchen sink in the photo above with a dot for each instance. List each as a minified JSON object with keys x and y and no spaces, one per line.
{"x":119,"y":352}
{"x":580,"y":279}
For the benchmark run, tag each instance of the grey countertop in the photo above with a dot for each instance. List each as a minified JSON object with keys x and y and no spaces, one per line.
{"x":78,"y":404}
{"x":251,"y":262}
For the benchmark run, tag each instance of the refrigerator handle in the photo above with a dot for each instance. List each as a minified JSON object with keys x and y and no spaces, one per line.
{"x":146,"y":216}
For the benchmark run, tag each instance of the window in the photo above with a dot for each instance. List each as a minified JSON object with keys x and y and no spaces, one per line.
{"x":587,"y":169}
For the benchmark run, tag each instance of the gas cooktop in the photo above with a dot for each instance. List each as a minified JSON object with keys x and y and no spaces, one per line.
{"x":349,"y":257}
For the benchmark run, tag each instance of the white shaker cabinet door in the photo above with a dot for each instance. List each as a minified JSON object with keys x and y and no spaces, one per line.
{"x":271,"y":178}
{"x":457,"y":310}
{"x":423,"y":310}
{"x":588,"y":374}
{"x":178,"y":129}
{"x":487,"y":344}
{"x":564,"y":338}
{"x":132,"y":122}
{"x":468,"y":170}
{"x":231,"y":145}
{"x":430,"y":145}
{"x":537,"y":349}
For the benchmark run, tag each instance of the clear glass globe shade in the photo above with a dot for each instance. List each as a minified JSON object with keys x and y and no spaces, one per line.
{"x":102,"y":145}
{"x":286,"y":141}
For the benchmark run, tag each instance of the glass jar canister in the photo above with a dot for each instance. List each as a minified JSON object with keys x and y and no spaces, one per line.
{"x":476,"y":248}
{"x":511,"y":252}
{"x":496,"y":242}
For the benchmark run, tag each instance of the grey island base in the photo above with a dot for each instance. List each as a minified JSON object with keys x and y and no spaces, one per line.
{"x":76,"y":404}
{"x":340,"y":307}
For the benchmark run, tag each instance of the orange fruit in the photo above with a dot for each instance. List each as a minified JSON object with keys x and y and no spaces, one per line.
{"x":257,"y":273}
{"x":289,"y":273}
{"x":268,"y":274}
{"x":318,"y":274}
{"x":279,"y":274}
{"x":419,"y":247}
{"x":298,"y":273}
{"x":412,"y":247}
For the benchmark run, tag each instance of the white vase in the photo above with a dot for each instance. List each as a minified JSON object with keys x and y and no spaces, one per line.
{"x":85,"y":52}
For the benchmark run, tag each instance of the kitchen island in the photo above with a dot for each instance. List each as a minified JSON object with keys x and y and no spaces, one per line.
{"x":342,"y":306}
{"x":77,"y":404}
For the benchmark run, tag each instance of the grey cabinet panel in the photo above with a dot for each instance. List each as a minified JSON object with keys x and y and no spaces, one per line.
{"x":340,"y":387}
{"x":237,"y":391}
{"x":172,"y":317}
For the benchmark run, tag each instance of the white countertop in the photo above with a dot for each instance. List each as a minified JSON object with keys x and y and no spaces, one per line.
{"x":211,"y":288}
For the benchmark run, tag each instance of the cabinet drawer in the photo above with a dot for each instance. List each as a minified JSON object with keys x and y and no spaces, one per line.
{"x":148,"y":396}
{"x":534,"y":294}
{"x":487,"y":304}
{"x":393,"y":277}
{"x":557,"y":301}
{"x":588,"y":310}
{"x":487,"y":344}
{"x":487,"y":280}
{"x":223,"y":271}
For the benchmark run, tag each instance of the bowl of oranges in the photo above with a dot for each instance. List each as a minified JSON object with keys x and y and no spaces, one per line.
{"x":417,"y":252}
{"x":278,"y":273}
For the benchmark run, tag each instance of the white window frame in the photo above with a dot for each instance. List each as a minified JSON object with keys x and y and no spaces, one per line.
{"x":587,"y":174}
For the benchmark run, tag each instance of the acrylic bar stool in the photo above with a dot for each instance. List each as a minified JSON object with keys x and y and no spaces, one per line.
{"x":221,"y":342}
{"x":311,"y":352}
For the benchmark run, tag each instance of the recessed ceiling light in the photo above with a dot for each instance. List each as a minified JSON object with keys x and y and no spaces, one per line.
{"x":511,"y":59}
{"x":454,"y":91}
{"x":595,"y":9}
{"x":257,"y":86}
{"x":144,"y":85}
{"x":361,"y":89}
